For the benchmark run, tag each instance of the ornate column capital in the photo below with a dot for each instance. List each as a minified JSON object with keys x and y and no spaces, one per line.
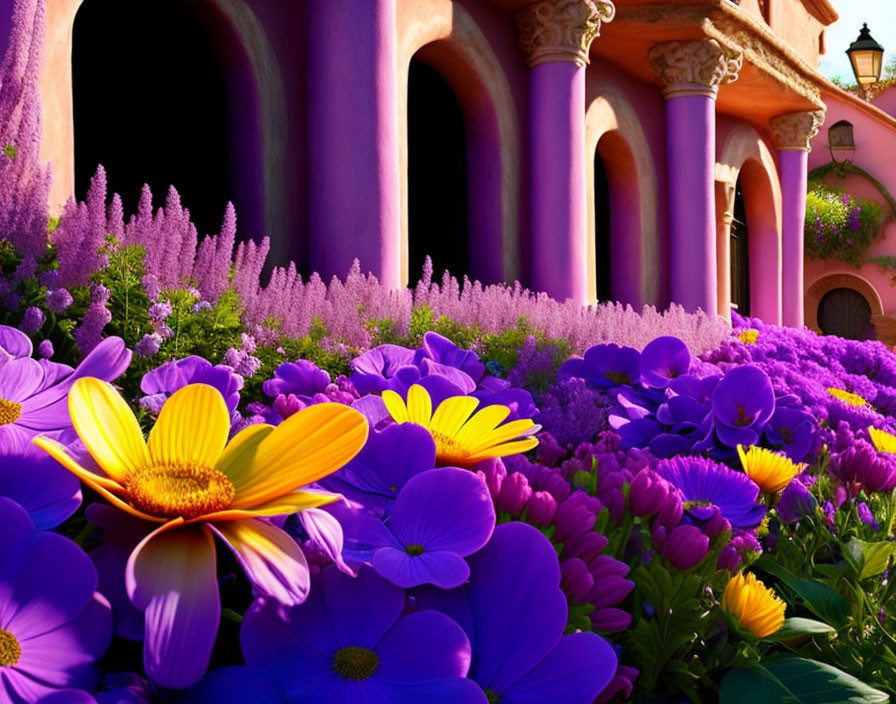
{"x":695,"y":67}
{"x":795,"y":130}
{"x":561,"y":30}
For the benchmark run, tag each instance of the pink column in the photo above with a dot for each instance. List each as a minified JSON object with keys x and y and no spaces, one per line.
{"x":354,"y":202}
{"x":793,"y":133}
{"x":692,"y":72}
{"x":556,"y":36}
{"x":559,"y":204}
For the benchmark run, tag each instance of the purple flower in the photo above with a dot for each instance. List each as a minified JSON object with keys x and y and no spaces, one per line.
{"x":389,"y":459}
{"x":742,"y":403}
{"x":45,"y":349}
{"x":149,"y":345}
{"x":648,"y":493}
{"x":349,"y":644}
{"x":33,"y":395}
{"x":796,"y":501}
{"x":861,"y":465}
{"x":604,"y":366}
{"x":385,"y":367}
{"x":58,"y":300}
{"x":662,"y":360}
{"x":227,"y":685}
{"x":703,"y":482}
{"x":515,"y":612}
{"x":865,"y":516}
{"x":684,"y":546}
{"x":33,"y":320}
{"x":53,"y":626}
{"x":440,"y":517}
{"x":37,"y":482}
{"x":302,"y":379}
{"x":441,"y":351}
{"x":163,"y":381}
{"x":793,"y":431}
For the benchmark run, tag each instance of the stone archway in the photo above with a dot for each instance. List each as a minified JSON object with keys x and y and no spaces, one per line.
{"x":884,"y":324}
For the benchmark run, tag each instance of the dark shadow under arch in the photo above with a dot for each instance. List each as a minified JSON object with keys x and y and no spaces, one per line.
{"x":437,"y":175}
{"x":603,"y":244}
{"x":164,"y":94}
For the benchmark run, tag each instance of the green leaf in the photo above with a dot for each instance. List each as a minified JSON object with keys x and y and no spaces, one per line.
{"x":796,"y":681}
{"x":829,"y":605}
{"x":796,"y":627}
{"x":868,"y":559}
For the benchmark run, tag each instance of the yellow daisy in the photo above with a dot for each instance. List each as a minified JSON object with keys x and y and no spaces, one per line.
{"x":883,"y":441}
{"x":190,"y":485}
{"x":463,"y":438}
{"x":748,"y":336}
{"x":756,"y":607}
{"x":847,"y":397}
{"x":771,"y":471}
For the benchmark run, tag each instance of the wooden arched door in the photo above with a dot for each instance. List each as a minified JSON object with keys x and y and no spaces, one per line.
{"x":844,"y":312}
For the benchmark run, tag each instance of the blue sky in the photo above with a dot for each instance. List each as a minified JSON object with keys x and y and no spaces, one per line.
{"x":881,"y":18}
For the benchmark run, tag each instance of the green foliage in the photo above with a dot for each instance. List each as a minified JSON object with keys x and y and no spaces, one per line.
{"x":9,"y":151}
{"x":840,"y":226}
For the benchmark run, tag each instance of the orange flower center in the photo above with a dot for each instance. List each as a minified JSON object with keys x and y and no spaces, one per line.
{"x":449,"y":452}
{"x":9,"y":411}
{"x":10,"y":650}
{"x":179,"y":489}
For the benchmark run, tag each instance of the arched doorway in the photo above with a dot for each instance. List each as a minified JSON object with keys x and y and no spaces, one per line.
{"x":603,"y":245}
{"x":437,"y":175}
{"x":740,"y":255}
{"x":164,"y":94}
{"x":846,"y":313}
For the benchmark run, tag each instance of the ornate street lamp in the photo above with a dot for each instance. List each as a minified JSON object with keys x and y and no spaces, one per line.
{"x":866,"y":56}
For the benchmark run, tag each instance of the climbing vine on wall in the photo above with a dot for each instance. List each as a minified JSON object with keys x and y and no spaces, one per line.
{"x":840,"y":226}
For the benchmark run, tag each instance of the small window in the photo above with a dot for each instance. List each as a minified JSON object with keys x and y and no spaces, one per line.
{"x":821,"y":48}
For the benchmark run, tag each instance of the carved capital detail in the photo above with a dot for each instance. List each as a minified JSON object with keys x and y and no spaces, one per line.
{"x":561,"y":30}
{"x":796,"y":129}
{"x":695,"y":67}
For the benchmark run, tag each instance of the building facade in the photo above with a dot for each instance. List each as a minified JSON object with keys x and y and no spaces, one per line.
{"x":840,"y":297}
{"x":645,"y":152}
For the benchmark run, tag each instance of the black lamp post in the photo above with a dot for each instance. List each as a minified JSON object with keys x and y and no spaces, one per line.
{"x":866,"y":56}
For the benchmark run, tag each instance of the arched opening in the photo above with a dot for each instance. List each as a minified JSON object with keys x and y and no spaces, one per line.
{"x":846,"y":313}
{"x":437,"y":175}
{"x":739,"y":253}
{"x":603,"y":245}
{"x":165,"y":94}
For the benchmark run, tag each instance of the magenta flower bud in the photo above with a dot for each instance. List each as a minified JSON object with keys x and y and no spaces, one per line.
{"x":729,"y":559}
{"x":647,"y":493}
{"x":59,"y":299}
{"x":609,"y":592}
{"x":515,"y":492}
{"x":685,"y":547}
{"x":604,"y":566}
{"x":549,"y":480}
{"x":493,"y":474}
{"x":610,"y":620}
{"x":585,"y":546}
{"x":287,"y":405}
{"x":572,"y":520}
{"x":670,"y":515}
{"x":540,"y":508}
{"x":575,"y":580}
{"x":45,"y":349}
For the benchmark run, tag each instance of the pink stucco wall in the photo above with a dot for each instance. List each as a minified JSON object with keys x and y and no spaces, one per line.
{"x":875,"y":140}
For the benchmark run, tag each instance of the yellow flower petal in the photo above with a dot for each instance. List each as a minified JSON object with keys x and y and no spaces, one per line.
{"x":192,"y":427}
{"x":107,"y":427}
{"x":305,"y":447}
{"x":396,"y":407}
{"x":756,"y":607}
{"x":282,"y":506}
{"x":883,"y":441}
{"x":504,"y":450}
{"x":521,"y":428}
{"x":101,"y":485}
{"x":452,"y":413}
{"x":481,"y":425}
{"x":236,"y":461}
{"x":419,"y":405}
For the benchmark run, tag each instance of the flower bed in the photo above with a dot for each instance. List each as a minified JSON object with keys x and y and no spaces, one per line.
{"x":223,"y":486}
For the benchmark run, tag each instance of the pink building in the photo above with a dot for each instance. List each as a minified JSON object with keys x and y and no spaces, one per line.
{"x":642,"y":151}
{"x":841,"y":298}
